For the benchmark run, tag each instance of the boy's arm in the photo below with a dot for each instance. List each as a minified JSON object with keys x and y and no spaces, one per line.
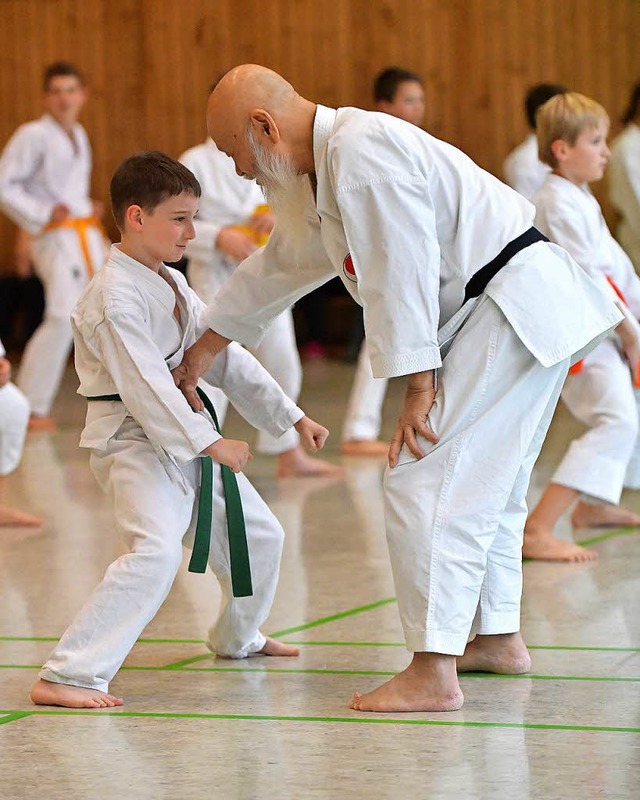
{"x":252,"y":390}
{"x":146,"y":387}
{"x":17,"y":163}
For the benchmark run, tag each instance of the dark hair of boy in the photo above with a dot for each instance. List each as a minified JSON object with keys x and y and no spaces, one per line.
{"x":386,"y":82}
{"x":537,"y":96}
{"x":633,"y":109}
{"x":146,"y":180}
{"x":61,"y":69}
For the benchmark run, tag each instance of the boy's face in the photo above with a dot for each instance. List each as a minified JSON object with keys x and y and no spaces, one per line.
{"x":64,"y":97}
{"x":407,"y":103}
{"x":586,"y":160}
{"x":165,"y":231}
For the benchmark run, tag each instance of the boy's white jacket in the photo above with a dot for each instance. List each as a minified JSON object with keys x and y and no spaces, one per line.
{"x":406,"y":220}
{"x":571,"y":216}
{"x":126,"y":342}
{"x":523,"y":170}
{"x":39,"y":168}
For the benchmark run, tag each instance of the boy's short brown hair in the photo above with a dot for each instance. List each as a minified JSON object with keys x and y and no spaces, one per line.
{"x":61,"y":69}
{"x":146,"y":180}
{"x":564,"y":117}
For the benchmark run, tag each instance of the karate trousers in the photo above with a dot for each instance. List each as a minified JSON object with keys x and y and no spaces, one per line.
{"x":277,"y":352}
{"x":14,"y":418}
{"x":364,"y":410}
{"x":602,"y":397}
{"x":455,"y":518}
{"x":155,"y":508}
{"x":61,"y":266}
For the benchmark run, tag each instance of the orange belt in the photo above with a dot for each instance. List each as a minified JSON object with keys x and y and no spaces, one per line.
{"x":80,"y":225}
{"x":577,"y":367}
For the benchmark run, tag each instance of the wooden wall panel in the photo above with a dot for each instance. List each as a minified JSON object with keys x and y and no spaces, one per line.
{"x":150,"y":62}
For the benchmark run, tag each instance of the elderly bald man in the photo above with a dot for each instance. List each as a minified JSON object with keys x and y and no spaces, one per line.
{"x":460,"y":295}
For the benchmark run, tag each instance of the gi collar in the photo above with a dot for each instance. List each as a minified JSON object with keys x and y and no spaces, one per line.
{"x":323,"y":125}
{"x":156,"y":283}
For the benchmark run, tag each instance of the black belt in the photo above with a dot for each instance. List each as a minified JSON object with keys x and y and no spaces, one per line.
{"x":479,"y":281}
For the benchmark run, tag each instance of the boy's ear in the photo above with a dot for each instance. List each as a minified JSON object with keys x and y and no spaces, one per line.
{"x":560,"y":148}
{"x":264,"y":125}
{"x":133,"y":217}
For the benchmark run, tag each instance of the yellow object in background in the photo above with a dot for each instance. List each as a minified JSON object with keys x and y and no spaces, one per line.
{"x":258,"y":238}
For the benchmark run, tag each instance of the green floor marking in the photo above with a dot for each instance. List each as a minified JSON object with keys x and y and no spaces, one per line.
{"x":186,"y":661}
{"x":11,"y":716}
{"x":530,"y":646}
{"x":324,"y":620}
{"x":380,"y":720}
{"x":609,"y":535}
{"x":379,"y":673}
{"x":57,"y":638}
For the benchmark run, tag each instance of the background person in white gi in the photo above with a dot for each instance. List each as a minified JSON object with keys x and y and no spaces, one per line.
{"x":572,"y":134}
{"x":523,"y":170}
{"x":45,"y":172}
{"x":398,"y":92}
{"x":408,"y":222}
{"x":131,"y":326}
{"x":229,"y":224}
{"x":624,"y":179}
{"x":14,"y":416}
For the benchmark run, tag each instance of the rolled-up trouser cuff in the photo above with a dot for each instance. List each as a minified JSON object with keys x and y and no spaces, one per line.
{"x":47,"y":675}
{"x":493,"y":624}
{"x":450,"y":644}
{"x":254,"y":646}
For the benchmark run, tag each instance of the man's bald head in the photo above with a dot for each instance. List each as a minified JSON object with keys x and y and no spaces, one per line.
{"x":251,"y":97}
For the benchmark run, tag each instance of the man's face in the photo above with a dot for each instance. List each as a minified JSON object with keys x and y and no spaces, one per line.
{"x":586,"y":160}
{"x":407,"y":104}
{"x":64,"y":97}
{"x":169,"y":227}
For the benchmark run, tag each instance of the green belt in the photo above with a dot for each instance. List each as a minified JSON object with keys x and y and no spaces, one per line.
{"x":238,"y":549}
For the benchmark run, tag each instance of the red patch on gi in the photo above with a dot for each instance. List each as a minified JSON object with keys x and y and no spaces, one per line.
{"x":348,"y":268}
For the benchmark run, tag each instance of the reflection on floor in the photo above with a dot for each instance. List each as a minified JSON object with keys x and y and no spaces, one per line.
{"x":196,"y":727}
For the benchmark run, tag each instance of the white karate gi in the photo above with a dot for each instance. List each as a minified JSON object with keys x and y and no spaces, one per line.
{"x":624,"y":189}
{"x":364,"y":409}
{"x":144,"y":454}
{"x":14,"y":417}
{"x":227,"y":199}
{"x":406,"y":220}
{"x":601,"y":395}
{"x":39,"y":168}
{"x":523,"y":170}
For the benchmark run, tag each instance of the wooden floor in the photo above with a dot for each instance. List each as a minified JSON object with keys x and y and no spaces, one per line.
{"x":193,"y":727}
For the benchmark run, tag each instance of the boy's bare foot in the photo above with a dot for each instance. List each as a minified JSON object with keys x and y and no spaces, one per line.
{"x":603,"y":515}
{"x":429,"y":683}
{"x":541,"y":545}
{"x":42,"y":424}
{"x":504,"y":654}
{"x":366,"y":448}
{"x":47,"y":693}
{"x":296,"y":463}
{"x":274,"y":648}
{"x":13,"y":517}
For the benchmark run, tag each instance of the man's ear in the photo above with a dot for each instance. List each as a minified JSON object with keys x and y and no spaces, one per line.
{"x":133,"y":217}
{"x":264,"y":125}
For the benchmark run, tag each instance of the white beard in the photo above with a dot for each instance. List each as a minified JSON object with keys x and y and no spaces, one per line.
{"x":286,"y":192}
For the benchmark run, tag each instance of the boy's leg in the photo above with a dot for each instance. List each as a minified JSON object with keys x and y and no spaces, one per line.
{"x":444,"y":510}
{"x":153,"y":512}
{"x":364,"y":411}
{"x":60,"y":266}
{"x":236,"y":634}
{"x":632,"y":475}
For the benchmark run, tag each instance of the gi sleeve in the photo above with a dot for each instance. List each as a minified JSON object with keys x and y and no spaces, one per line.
{"x":19,"y":161}
{"x":627,"y":186}
{"x":267,"y":283}
{"x":390,"y":228}
{"x":252,"y":391}
{"x":146,"y":386}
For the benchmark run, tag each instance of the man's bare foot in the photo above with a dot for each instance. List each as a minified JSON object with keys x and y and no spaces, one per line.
{"x":365,"y":448}
{"x":429,"y":683}
{"x":47,"y":693}
{"x":19,"y":519}
{"x":42,"y":424}
{"x":504,"y":654}
{"x":275,"y":648}
{"x":296,"y":463}
{"x":541,"y":545}
{"x":603,"y":515}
